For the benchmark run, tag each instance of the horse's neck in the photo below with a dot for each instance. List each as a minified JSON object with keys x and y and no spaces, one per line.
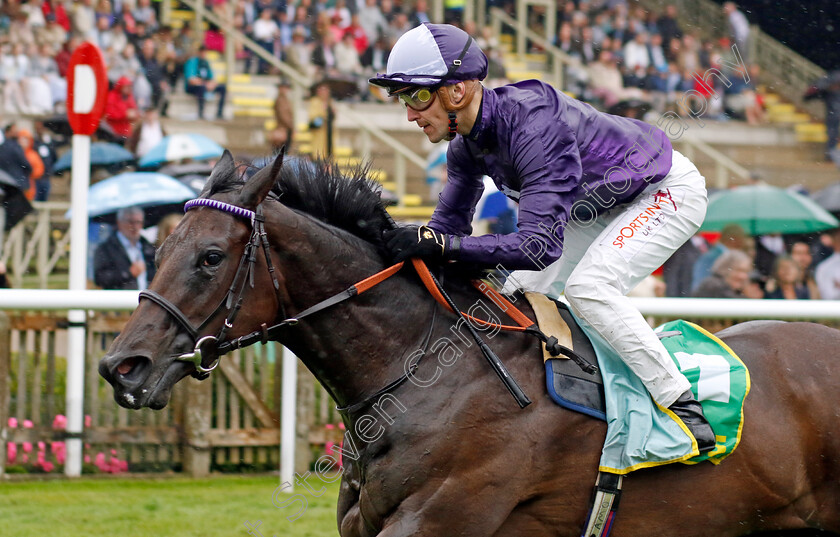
{"x":358,"y":346}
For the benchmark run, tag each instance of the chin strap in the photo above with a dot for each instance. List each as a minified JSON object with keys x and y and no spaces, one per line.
{"x":453,"y":126}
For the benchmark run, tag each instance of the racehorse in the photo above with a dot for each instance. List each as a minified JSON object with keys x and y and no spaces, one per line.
{"x":447,"y":452}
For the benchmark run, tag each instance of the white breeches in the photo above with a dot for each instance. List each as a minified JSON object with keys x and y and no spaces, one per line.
{"x":603,"y":261}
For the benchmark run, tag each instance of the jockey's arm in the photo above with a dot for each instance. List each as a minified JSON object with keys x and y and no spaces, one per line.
{"x":547,"y":171}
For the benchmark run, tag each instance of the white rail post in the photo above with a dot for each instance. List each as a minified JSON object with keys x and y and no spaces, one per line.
{"x":288,"y":419}
{"x":78,"y":281}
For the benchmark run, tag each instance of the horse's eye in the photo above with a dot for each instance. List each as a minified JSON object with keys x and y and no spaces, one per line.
{"x":212,"y":259}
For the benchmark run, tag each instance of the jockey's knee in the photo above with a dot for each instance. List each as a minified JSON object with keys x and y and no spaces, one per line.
{"x":582,"y":288}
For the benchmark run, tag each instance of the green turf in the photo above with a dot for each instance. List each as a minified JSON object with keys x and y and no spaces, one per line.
{"x":176,"y":507}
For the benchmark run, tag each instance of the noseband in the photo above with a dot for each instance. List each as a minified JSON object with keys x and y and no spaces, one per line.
{"x":232,"y":301}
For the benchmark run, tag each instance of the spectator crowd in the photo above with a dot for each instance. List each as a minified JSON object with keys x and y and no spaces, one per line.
{"x":737,"y":265}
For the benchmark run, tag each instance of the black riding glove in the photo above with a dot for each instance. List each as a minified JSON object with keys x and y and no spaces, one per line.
{"x":413,"y":241}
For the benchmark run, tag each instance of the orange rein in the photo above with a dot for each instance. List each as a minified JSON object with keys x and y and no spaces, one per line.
{"x":426,"y":277}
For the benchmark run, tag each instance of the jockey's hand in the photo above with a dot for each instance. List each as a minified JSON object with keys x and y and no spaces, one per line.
{"x":413,"y":241}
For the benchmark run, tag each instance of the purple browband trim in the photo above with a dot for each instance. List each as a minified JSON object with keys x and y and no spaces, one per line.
{"x":220,"y":205}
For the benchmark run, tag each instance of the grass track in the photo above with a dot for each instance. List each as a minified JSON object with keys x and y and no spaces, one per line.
{"x":172,"y":507}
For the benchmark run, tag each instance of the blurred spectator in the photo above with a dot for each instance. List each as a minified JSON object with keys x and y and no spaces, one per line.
{"x":729,"y":278}
{"x":739,"y":27}
{"x":265,"y":33}
{"x":55,"y":8}
{"x":767,"y":249}
{"x":732,"y":237}
{"x":605,"y":80}
{"x":323,"y":56}
{"x":46,"y":148}
{"x":785,"y":282}
{"x":636,"y":60}
{"x":199,"y":82}
{"x":184,"y":43}
{"x":44,"y":67}
{"x":347,"y":58}
{"x":125,"y":260}
{"x":372,"y":20}
{"x":27,"y":143}
{"x":166,"y":226}
{"x":355,"y":30}
{"x":123,"y":64}
{"x":52,"y":33}
{"x":20,"y":33}
{"x":678,"y":269}
{"x":375,"y":58}
{"x":144,"y":13}
{"x":828,"y":89}
{"x":121,"y":112}
{"x":827,"y":274}
{"x":82,"y":19}
{"x":62,"y":59}
{"x":4,"y":281}
{"x":12,"y":158}
{"x":420,"y":14}
{"x":299,"y":53}
{"x":667,"y":24}
{"x":800,"y":252}
{"x":14,"y":67}
{"x":148,"y":133}
{"x":322,"y":121}
{"x":284,"y":119}
{"x":154,"y":72}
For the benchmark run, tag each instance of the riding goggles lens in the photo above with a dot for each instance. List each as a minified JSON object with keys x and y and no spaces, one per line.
{"x":419,"y":99}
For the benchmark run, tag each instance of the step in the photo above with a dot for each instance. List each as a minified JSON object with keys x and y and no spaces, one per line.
{"x":422,"y":212}
{"x":809,"y":128}
{"x":781,"y":109}
{"x":412,"y":200}
{"x":253,"y":112}
{"x":182,"y":15}
{"x":790,"y":118}
{"x":770,"y":99}
{"x":248,"y":88}
{"x":257,"y":102}
{"x":516,"y":75}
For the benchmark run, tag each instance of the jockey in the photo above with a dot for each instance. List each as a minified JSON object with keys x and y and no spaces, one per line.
{"x":608,"y":193}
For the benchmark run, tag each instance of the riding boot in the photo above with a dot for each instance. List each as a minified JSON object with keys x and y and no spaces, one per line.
{"x":691,"y":413}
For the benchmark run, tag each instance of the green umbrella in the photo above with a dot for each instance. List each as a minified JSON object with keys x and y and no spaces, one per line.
{"x":765,"y":209}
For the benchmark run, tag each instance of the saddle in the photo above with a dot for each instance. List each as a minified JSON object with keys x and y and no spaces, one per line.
{"x":567,"y":384}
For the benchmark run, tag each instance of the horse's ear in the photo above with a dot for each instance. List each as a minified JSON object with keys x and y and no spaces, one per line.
{"x":222,"y":171}
{"x":257,"y":187}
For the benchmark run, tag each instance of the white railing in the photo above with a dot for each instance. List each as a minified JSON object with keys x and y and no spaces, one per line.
{"x":706,"y":308}
{"x":558,"y":60}
{"x":725,"y":167}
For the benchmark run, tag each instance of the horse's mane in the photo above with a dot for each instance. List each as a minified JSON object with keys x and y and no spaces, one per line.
{"x":319,"y":189}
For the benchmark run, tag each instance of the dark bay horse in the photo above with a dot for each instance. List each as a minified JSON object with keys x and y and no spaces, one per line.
{"x":448,"y":452}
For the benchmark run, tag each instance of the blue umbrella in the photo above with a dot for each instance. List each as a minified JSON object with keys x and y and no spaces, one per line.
{"x":101,"y":154}
{"x":156,"y":193}
{"x":181,"y":147}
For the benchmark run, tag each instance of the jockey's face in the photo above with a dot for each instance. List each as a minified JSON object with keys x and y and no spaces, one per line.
{"x":433,"y":120}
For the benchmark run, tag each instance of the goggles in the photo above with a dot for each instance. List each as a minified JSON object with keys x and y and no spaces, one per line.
{"x":418,"y":99}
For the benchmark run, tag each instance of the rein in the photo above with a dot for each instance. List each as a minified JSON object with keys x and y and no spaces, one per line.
{"x":218,"y":347}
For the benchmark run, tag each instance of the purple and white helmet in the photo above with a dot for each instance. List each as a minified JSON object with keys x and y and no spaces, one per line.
{"x":432,"y":55}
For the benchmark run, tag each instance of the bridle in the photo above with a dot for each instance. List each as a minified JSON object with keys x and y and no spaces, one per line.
{"x":232,"y":301}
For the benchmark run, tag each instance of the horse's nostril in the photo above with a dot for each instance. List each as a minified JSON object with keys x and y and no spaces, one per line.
{"x":127,"y":365}
{"x":130,"y":370}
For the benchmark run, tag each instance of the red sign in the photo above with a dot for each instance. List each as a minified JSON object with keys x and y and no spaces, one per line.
{"x":87,"y":89}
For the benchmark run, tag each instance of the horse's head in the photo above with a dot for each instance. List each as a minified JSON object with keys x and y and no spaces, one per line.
{"x":204,"y":275}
